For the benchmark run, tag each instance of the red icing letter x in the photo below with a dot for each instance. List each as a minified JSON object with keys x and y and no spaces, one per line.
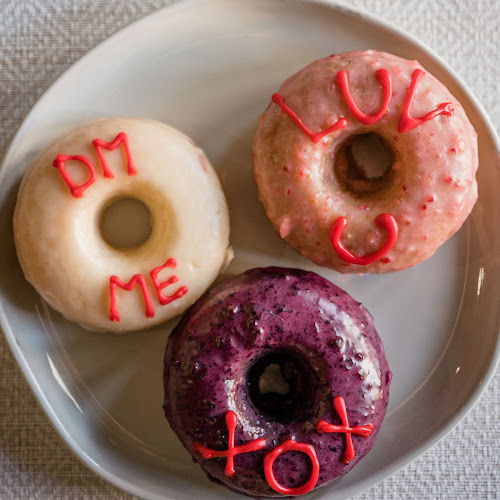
{"x":360,"y":430}
{"x":232,"y":451}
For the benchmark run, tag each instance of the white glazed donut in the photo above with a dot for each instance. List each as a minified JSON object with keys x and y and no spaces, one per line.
{"x":329,"y":212}
{"x":58,"y":235}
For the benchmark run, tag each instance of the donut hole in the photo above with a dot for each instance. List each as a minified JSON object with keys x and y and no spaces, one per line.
{"x":363,"y":164}
{"x":125,"y":223}
{"x":283,"y":386}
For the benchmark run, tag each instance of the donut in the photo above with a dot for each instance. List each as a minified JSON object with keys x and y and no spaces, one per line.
{"x":59,"y":238}
{"x":276,"y":382}
{"x":365,"y":162}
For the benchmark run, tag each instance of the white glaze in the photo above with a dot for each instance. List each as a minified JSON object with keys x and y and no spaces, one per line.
{"x":58,"y":238}
{"x":426,"y":314}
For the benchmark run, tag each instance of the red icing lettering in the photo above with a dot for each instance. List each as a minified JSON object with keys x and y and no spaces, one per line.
{"x":159,"y":286}
{"x":385,"y":221}
{"x":121,"y":138}
{"x":360,"y":430}
{"x":114,"y":281}
{"x":232,"y":451}
{"x":166,"y":299}
{"x":291,"y":445}
{"x":385,"y":79}
{"x":76,"y":189}
{"x":314,"y":136}
{"x":407,"y":122}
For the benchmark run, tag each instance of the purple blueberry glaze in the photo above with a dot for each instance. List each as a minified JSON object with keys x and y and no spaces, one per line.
{"x":325,"y":345}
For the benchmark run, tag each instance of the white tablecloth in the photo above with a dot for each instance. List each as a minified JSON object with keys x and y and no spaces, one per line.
{"x":38,"y":41}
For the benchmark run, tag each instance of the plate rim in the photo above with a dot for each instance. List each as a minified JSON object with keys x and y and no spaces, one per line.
{"x":336,"y":5}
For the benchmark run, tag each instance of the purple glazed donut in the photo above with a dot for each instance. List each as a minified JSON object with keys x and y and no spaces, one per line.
{"x":267,"y":353}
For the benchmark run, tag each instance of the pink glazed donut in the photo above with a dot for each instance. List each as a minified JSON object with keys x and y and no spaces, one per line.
{"x":319,"y":195}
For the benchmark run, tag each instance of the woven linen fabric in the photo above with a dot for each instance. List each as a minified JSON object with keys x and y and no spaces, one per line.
{"x":39,"y":40}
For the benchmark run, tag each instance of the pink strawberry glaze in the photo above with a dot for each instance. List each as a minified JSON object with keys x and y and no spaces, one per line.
{"x":434,"y":150}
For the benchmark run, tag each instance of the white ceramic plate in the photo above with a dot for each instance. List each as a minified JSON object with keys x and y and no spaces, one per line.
{"x":209,"y":68}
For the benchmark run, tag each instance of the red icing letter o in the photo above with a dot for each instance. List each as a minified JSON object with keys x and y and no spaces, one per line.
{"x":289,"y":446}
